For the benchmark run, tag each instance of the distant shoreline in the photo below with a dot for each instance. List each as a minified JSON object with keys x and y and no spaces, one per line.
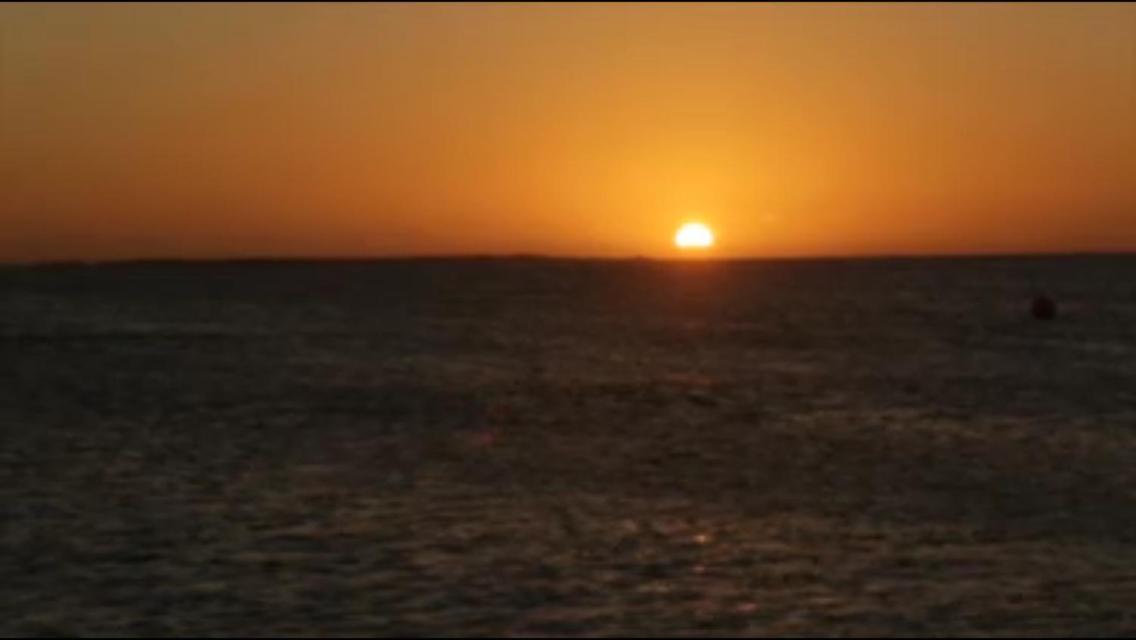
{"x":523,"y":258}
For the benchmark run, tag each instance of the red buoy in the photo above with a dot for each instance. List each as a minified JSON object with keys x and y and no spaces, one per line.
{"x":1043,"y":308}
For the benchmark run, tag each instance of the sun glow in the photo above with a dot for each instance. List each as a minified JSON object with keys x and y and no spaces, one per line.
{"x":694,"y":235}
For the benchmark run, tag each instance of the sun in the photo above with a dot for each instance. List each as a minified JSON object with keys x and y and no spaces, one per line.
{"x":694,"y":235}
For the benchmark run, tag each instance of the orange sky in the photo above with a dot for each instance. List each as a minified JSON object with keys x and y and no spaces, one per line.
{"x":355,"y":129}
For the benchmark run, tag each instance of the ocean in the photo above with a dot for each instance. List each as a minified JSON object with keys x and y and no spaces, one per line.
{"x":569,"y":447}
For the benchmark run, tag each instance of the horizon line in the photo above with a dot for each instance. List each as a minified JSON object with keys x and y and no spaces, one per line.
{"x":546,"y":257}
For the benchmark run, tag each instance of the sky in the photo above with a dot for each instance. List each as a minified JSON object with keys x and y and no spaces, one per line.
{"x":355,"y":130}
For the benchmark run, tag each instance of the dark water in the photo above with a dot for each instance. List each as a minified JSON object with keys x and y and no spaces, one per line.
{"x":569,"y":447}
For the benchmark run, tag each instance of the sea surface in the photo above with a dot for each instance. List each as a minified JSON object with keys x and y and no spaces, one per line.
{"x":569,"y":447}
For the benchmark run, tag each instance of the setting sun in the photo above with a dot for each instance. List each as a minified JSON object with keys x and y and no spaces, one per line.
{"x":694,"y":235}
